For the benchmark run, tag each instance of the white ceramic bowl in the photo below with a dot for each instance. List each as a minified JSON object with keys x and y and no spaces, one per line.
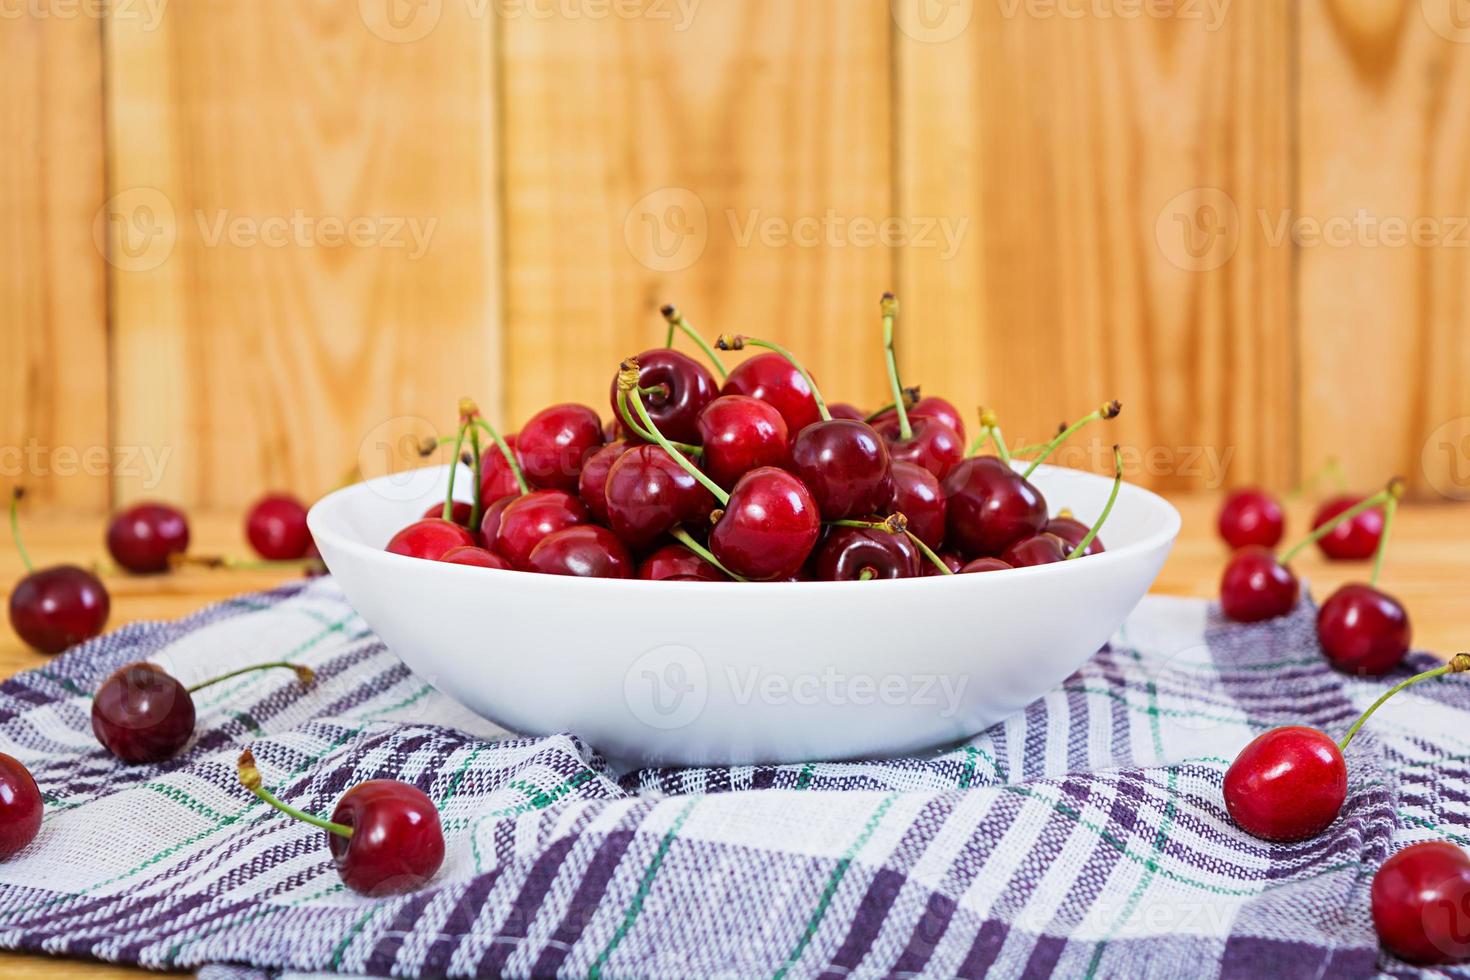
{"x":697,"y":673}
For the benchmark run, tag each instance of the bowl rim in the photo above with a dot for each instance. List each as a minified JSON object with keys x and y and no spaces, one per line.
{"x":321,"y":518}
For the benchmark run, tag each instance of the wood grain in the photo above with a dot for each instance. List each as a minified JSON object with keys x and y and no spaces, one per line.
{"x":53,"y":314}
{"x":1082,"y":152}
{"x":717,"y":163}
{"x":328,"y":266}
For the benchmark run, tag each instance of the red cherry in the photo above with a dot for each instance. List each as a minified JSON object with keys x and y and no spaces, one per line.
{"x":142,"y":714}
{"x":59,"y":607}
{"x":142,"y":538}
{"x":461,"y":511}
{"x":592,"y":483}
{"x":1072,"y":531}
{"x":1354,"y":539}
{"x":929,"y":407}
{"x":276,"y":528}
{"x":471,"y":555}
{"x":586,"y":551}
{"x":1421,"y":903}
{"x":932,"y":445}
{"x":1363,"y":631}
{"x":984,"y":565}
{"x":1251,"y":517}
{"x":917,"y":495}
{"x":553,"y":444}
{"x":991,"y":507}
{"x":530,"y":518}
{"x":740,"y":434}
{"x":845,"y":466}
{"x":674,"y":561}
{"x":1039,"y":549}
{"x":648,"y":492}
{"x":497,"y":479}
{"x":1256,"y":586}
{"x":430,"y":538}
{"x":847,"y":554}
{"x":490,"y":520}
{"x":1287,"y":785}
{"x":846,"y":410}
{"x":776,"y":381}
{"x":769,"y":526}
{"x":20,"y":806}
{"x":677,"y":388}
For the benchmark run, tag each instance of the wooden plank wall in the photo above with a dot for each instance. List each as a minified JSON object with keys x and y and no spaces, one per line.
{"x":254,"y":245}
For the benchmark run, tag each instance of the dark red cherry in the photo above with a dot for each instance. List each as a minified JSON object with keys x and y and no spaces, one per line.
{"x":930,"y":407}
{"x":59,"y":607}
{"x":845,"y":466}
{"x":479,"y":557}
{"x":933,"y":445}
{"x":990,"y":508}
{"x":677,"y":390}
{"x":984,"y":565}
{"x":917,"y":495}
{"x":397,"y":843}
{"x":490,"y":519}
{"x":847,"y":554}
{"x":1287,"y":785}
{"x":1039,"y":549}
{"x":528,"y":519}
{"x":1355,"y":539}
{"x":674,"y":561}
{"x":648,"y":493}
{"x":1421,"y":903}
{"x":430,"y":538}
{"x":553,"y":444}
{"x":461,"y":510}
{"x":142,"y":714}
{"x":1363,"y":631}
{"x":769,"y":526}
{"x":740,"y":434}
{"x":276,"y":528}
{"x":20,"y":807}
{"x":1251,"y":517}
{"x":497,"y":479}
{"x":586,"y":551}
{"x":1256,"y":586}
{"x":1072,"y":531}
{"x":847,"y":410}
{"x":592,"y":483}
{"x":776,"y":381}
{"x":142,"y":538}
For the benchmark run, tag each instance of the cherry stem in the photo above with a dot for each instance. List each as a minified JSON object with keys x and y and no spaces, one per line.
{"x":637,"y":428}
{"x":250,"y":779}
{"x":897,"y":523}
{"x":687,"y":540}
{"x":303,"y":673}
{"x":1394,"y":490}
{"x":1389,"y":509}
{"x":910,"y":399}
{"x":510,"y":457}
{"x":979,"y":442}
{"x":475,"y":477}
{"x":20,"y":546}
{"x":676,"y":319}
{"x":1091,"y":534}
{"x":738,"y":342}
{"x":867,"y":574}
{"x":889,"y":307}
{"x":235,"y":564}
{"x":1108,"y":411}
{"x":990,"y":425}
{"x":464,"y":425}
{"x":1459,"y":663}
{"x":658,"y":437}
{"x":1332,"y":468}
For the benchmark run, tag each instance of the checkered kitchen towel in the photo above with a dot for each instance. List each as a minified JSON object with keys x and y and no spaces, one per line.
{"x":1083,"y":837}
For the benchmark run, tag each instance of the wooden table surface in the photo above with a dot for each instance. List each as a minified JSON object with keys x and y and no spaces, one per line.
{"x":1428,"y":568}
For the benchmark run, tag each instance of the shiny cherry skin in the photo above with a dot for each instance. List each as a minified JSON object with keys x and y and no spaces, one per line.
{"x":985,"y":565}
{"x":1072,"y":531}
{"x":527,"y":520}
{"x":846,"y":410}
{"x":490,"y":518}
{"x":1256,"y":586}
{"x":774,"y":380}
{"x":585,"y":551}
{"x":397,"y":843}
{"x":769,"y":527}
{"x":739,"y":434}
{"x":951,"y":561}
{"x":683,"y":387}
{"x":930,"y":407}
{"x":553,"y":444}
{"x":142,"y":714}
{"x":845,"y":553}
{"x":1287,"y":785}
{"x":496,"y":478}
{"x":648,"y":493}
{"x":991,"y":507}
{"x":592,"y":482}
{"x":1421,"y":903}
{"x":1363,"y":631}
{"x":461,"y":511}
{"x":1251,"y":517}
{"x":1039,"y":549}
{"x":142,"y":538}
{"x":1352,"y":540}
{"x":59,"y":607}
{"x":430,"y":538}
{"x":478,"y":557}
{"x":917,"y":495}
{"x":933,"y":445}
{"x":845,"y":466}
{"x":674,"y":561}
{"x":276,"y":528}
{"x":20,"y":806}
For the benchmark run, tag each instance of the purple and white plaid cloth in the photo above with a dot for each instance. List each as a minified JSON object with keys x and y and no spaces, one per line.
{"x":1084,"y":837}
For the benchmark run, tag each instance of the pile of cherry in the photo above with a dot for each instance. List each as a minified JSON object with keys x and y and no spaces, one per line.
{"x":1289,"y":784}
{"x":751,"y":477}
